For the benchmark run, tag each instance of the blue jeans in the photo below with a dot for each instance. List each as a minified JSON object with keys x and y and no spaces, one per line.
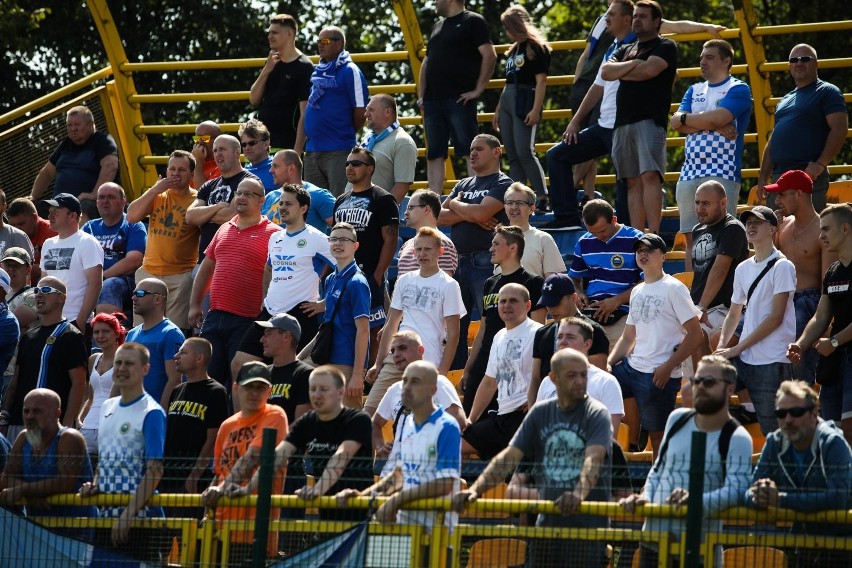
{"x":225,"y":332}
{"x":474,"y":269}
{"x":805,"y":302}
{"x":592,"y":142}
{"x":445,"y":119}
{"x":762,"y":382}
{"x":655,"y":403}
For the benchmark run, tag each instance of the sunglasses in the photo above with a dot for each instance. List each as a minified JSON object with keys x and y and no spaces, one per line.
{"x":796,"y":412}
{"x":334,"y":240}
{"x":356,"y":163}
{"x":802,"y":59}
{"x":251,"y":143}
{"x":47,"y":290}
{"x":326,"y":40}
{"x":143,"y":293}
{"x":708,"y":382}
{"x":203,"y":139}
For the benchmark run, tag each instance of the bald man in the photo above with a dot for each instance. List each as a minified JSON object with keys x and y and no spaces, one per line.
{"x":202,"y":151}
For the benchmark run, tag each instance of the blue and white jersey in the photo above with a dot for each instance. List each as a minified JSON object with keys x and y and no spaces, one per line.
{"x":427,"y":452}
{"x":610,"y":266}
{"x":297,"y":261}
{"x":129,"y":436}
{"x":707,"y":152}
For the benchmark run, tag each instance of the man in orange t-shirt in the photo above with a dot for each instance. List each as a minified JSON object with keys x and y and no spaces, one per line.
{"x":237,"y":455}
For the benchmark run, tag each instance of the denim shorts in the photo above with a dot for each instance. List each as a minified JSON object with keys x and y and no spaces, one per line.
{"x":445,"y":120}
{"x":655,"y":404}
{"x":805,"y":303}
{"x":762,"y":382}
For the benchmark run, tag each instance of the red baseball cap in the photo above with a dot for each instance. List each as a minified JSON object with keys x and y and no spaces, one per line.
{"x":794,"y":179}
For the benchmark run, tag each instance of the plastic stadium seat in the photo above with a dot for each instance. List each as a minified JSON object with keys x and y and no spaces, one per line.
{"x":679,"y":242}
{"x":750,"y":556}
{"x":623,"y":436}
{"x":756,"y":436}
{"x":471,"y":332}
{"x":839,"y":192}
{"x":685,"y":277}
{"x":387,"y":431}
{"x":753,"y":199}
{"x":496,"y":492}
{"x":455,"y":377}
{"x":497,"y":553}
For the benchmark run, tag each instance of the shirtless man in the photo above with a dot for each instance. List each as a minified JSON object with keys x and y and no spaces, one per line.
{"x":798,"y":239}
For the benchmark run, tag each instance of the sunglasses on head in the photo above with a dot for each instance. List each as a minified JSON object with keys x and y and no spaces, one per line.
{"x":47,"y":290}
{"x":143,"y":293}
{"x":796,"y":412}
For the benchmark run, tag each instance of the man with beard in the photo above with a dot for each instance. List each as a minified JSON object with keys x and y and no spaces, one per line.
{"x":725,"y":479}
{"x":46,"y":459}
{"x":570,"y":438}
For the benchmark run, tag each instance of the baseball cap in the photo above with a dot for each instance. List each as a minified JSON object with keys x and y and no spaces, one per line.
{"x":17,"y":254}
{"x":284,"y":322}
{"x":794,"y":179}
{"x":67,"y":201}
{"x":5,"y":281}
{"x":254,"y":371}
{"x":762,"y":212}
{"x":652,"y":241}
{"x":555,"y":287}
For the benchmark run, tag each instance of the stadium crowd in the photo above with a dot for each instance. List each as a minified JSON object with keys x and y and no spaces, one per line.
{"x":259,"y":284}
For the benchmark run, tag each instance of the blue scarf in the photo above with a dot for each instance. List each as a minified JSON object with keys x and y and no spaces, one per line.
{"x":45,"y":353}
{"x":370,"y":140}
{"x":325,"y":77}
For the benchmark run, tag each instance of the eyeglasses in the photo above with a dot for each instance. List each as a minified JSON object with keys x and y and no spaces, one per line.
{"x":796,"y":412}
{"x":410,"y":207}
{"x":517,"y":203}
{"x":203,"y":139}
{"x":241,"y":193}
{"x":327,"y":40}
{"x":47,"y":290}
{"x":802,"y":59}
{"x":251,"y":143}
{"x":143,"y":293}
{"x":356,"y":163}
{"x":708,"y":382}
{"x":333,"y":240}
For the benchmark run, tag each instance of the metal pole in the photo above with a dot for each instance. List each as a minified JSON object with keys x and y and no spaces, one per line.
{"x":695,"y":503}
{"x":264,"y":495}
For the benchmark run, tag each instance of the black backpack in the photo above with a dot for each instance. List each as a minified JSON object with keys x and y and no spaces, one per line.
{"x":724,"y":440}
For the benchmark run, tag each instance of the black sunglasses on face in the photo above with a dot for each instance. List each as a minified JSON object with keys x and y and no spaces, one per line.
{"x":796,"y":412}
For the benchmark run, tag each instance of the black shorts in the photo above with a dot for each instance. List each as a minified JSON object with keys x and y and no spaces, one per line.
{"x":251,"y":339}
{"x":492,"y":434}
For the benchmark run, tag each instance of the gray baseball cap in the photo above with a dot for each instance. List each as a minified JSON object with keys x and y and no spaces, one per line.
{"x":284,"y":322}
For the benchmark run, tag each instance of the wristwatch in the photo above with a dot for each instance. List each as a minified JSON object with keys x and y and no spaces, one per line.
{"x":683,"y":118}
{"x":834,"y":342}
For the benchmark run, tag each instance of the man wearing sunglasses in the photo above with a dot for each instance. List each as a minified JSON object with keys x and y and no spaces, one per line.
{"x":810,"y":128}
{"x":804,"y":466}
{"x":255,"y":141}
{"x":202,"y":151}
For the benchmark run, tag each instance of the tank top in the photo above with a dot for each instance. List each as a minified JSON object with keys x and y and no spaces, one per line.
{"x":101,"y":385}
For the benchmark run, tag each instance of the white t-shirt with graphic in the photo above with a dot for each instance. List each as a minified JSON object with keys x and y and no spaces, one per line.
{"x":510,"y":364}
{"x":68,"y":259}
{"x":424,"y":303}
{"x":297,"y":261}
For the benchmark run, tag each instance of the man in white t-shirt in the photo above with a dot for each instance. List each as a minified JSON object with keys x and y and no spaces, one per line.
{"x":508,"y":374}
{"x":769,"y":324}
{"x":427,"y":302}
{"x":74,"y":257}
{"x":541,"y":255}
{"x":299,"y":256}
{"x":661,"y":331}
{"x":576,"y":333}
{"x":405,"y":348}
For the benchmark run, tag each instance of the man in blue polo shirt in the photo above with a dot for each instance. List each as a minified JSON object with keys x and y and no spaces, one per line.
{"x":335,"y":112}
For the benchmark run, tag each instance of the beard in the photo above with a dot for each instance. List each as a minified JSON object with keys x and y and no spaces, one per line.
{"x":709,"y":405}
{"x":34,"y":437}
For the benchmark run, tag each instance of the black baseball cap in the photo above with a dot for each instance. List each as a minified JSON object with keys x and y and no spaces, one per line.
{"x":67,"y":201}
{"x":652,"y":241}
{"x":762,"y":212}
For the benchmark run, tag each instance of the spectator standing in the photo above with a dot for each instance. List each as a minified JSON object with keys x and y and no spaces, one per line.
{"x":123,"y":243}
{"x":281,"y":90}
{"x":714,"y":116}
{"x":172,"y":248}
{"x":375,"y":215}
{"x":522,"y":100}
{"x":22,"y":215}
{"x":571,"y":438}
{"x":508,"y":375}
{"x":347,"y":309}
{"x":646,"y":70}
{"x":11,"y":236}
{"x":254,"y":140}
{"x":208,"y":168}
{"x":159,"y":335}
{"x":811,"y":124}
{"x":834,"y":308}
{"x":765,"y":283}
{"x":107,"y":335}
{"x":20,"y":302}
{"x":393,"y":149}
{"x":83,"y":161}
{"x":541,"y":255}
{"x":422,"y":210}
{"x":287,"y":168}
{"x":74,"y":257}
{"x":660,"y":333}
{"x":334,"y":113}
{"x":65,"y":357}
{"x":10,"y":330}
{"x":459,"y":62}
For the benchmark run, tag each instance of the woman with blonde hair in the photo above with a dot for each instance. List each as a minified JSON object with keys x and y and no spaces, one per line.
{"x":519,"y":110}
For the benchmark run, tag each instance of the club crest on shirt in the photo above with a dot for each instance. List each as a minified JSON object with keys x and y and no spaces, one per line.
{"x":617,"y":261}
{"x":125,"y":428}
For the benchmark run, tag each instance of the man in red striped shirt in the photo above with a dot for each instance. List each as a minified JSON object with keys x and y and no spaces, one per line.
{"x":232,"y":271}
{"x":422,"y":211}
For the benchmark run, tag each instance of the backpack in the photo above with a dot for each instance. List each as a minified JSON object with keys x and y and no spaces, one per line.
{"x":724,"y":439}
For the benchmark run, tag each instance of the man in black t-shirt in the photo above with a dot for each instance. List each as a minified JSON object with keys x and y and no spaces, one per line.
{"x":375,"y":215}
{"x":459,"y":61}
{"x":280,"y":339}
{"x":646,"y":70}
{"x":507,"y":248}
{"x":834,"y":309}
{"x":197,"y":407}
{"x":281,"y":90}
